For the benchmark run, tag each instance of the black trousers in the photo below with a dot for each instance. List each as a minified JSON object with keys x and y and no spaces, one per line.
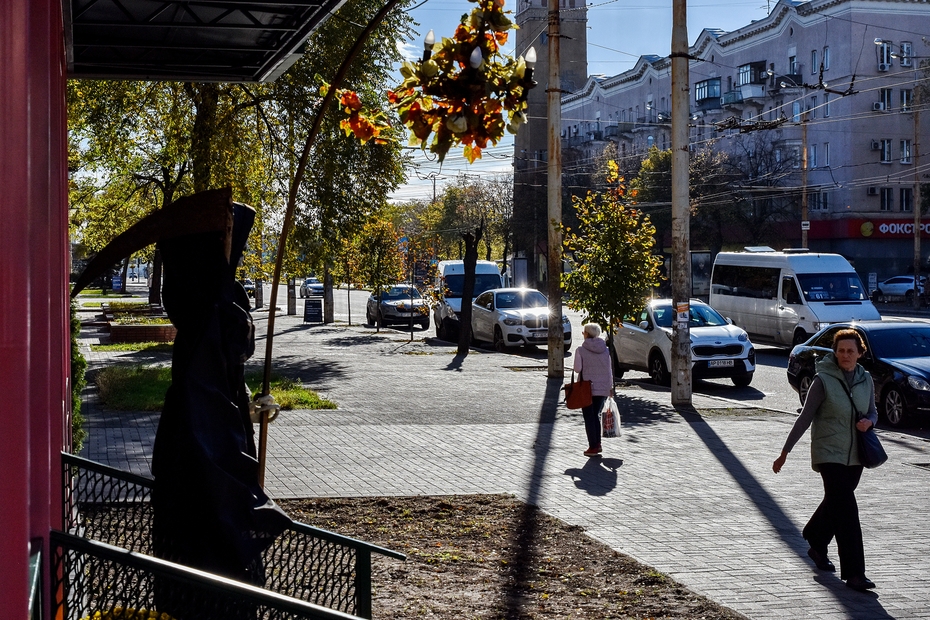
{"x":592,"y":420}
{"x":838,"y":517}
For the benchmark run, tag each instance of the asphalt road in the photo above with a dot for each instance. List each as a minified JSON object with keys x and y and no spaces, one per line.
{"x":769,"y":388}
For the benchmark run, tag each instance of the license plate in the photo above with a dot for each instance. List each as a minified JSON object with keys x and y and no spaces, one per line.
{"x":720,"y":364}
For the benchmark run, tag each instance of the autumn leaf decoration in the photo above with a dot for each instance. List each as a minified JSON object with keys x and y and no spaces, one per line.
{"x":464,"y":92}
{"x":364,"y":123}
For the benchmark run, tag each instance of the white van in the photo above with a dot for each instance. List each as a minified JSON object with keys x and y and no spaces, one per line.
{"x":785,"y":297}
{"x":450,"y":279}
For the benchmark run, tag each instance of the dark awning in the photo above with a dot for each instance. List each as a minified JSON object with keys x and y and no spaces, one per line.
{"x":189,"y":40}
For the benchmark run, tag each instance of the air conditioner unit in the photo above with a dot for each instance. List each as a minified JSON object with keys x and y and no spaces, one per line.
{"x":878,"y":106}
{"x":872,"y":191}
{"x":876,"y":145}
{"x":884,"y":66}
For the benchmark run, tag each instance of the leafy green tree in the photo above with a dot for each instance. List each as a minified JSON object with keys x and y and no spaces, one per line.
{"x":379,"y":259}
{"x":613,"y":269}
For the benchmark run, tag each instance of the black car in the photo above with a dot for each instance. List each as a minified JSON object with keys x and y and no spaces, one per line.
{"x":898,"y":358}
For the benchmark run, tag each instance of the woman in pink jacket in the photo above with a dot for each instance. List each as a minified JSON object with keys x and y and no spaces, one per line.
{"x":592,"y":360}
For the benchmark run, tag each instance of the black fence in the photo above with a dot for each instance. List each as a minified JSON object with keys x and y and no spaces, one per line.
{"x":323,"y":568}
{"x":96,"y":581}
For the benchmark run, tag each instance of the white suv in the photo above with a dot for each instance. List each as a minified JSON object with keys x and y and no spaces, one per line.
{"x":511,"y":317}
{"x":718,"y":348}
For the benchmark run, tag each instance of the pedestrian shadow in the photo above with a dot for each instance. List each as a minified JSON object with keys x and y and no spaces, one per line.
{"x":769,"y":508}
{"x":597,"y":477}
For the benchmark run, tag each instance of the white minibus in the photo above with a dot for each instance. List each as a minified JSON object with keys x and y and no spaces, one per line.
{"x":785,"y":297}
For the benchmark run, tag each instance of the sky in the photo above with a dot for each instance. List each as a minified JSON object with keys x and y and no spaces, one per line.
{"x":619,"y":32}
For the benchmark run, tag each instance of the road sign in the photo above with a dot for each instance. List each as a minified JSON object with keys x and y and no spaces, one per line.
{"x":313,"y":310}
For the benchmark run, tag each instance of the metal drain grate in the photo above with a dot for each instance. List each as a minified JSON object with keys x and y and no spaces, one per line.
{"x":526,"y":368}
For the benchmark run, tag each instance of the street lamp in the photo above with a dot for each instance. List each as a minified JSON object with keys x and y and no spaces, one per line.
{"x":428,"y":42}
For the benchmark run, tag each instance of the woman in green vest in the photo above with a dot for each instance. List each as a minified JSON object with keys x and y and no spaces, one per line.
{"x":838,"y":396}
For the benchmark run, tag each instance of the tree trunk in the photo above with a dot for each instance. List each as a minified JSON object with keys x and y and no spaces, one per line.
{"x":205,"y":97}
{"x":470,"y":260}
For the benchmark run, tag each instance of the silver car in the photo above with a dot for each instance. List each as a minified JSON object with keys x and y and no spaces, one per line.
{"x":511,"y":317}
{"x":719,"y":349}
{"x":898,"y":286}
{"x":311,"y":287}
{"x":398,"y":304}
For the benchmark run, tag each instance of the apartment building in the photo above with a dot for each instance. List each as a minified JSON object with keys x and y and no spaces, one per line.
{"x":835,"y":80}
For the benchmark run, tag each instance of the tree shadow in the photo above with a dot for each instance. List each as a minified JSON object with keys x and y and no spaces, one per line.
{"x":769,"y":508}
{"x":524,"y":546}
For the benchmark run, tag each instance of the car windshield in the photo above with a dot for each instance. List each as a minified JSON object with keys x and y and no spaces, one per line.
{"x":400,"y":292}
{"x":901,"y":342}
{"x":831,"y":287}
{"x":701,"y":316}
{"x":483,"y":282}
{"x":521,"y":299}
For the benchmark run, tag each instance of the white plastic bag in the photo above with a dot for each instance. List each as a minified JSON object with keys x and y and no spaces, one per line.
{"x":610,"y":418}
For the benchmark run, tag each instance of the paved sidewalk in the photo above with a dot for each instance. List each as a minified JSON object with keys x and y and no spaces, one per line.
{"x":692,"y":495}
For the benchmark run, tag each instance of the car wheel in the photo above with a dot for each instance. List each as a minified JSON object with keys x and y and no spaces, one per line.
{"x":742,"y":380}
{"x":380,"y":318}
{"x":658,"y":370}
{"x":804,"y":386}
{"x":879,"y":296}
{"x":424,"y":324}
{"x":800,"y":337}
{"x":909,"y":295}
{"x":893,"y":406}
{"x":499,"y":345}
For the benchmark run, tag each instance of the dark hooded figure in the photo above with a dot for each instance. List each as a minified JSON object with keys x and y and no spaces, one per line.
{"x":210,"y":512}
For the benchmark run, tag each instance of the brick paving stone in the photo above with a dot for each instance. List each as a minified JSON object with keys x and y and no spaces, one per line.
{"x":693,"y":496}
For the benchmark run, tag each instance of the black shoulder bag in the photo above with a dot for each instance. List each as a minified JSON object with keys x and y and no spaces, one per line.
{"x":871,"y":452}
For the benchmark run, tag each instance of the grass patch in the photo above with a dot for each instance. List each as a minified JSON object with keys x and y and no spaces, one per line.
{"x":289,"y":393}
{"x":91,"y":304}
{"x":134,"y":388}
{"x":142,"y":388}
{"x":148,"y":347}
{"x":125,"y":318}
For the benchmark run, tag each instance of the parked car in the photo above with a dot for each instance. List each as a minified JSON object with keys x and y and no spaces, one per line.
{"x":898,"y":286}
{"x":249,"y":287}
{"x":898,"y":357}
{"x":399,"y":303}
{"x":311,"y":287}
{"x":511,"y":317}
{"x":719,"y":349}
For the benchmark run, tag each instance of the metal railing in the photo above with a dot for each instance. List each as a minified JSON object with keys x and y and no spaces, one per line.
{"x":90,"y":576}
{"x":324,"y":568}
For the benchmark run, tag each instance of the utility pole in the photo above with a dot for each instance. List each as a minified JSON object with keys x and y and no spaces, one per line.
{"x":554,"y":173}
{"x":805,"y":223}
{"x":681,"y":225}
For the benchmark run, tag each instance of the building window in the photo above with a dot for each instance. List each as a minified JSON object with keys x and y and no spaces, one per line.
{"x":744,"y":74}
{"x":887,"y":194}
{"x":907,"y":51}
{"x":796,"y":111}
{"x":907,"y":97}
{"x":826,"y":104}
{"x":884,"y":53}
{"x":907,"y":195}
{"x":813,"y":108}
{"x":812,"y":156}
{"x":794,"y":152}
{"x":886,"y":151}
{"x":905,"y":151}
{"x":826,"y":154}
{"x":792,"y":65}
{"x":707,"y":89}
{"x":814,"y":66}
{"x":817,"y":201}
{"x":826,"y":58}
{"x":884,"y":95}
